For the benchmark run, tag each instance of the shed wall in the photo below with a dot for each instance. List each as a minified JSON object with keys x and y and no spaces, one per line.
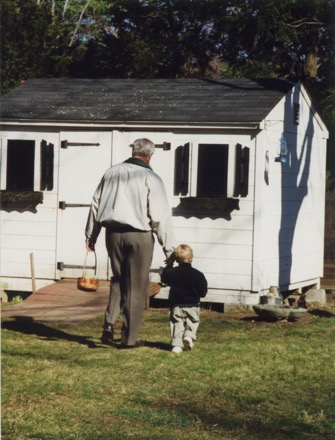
{"x":28,"y":230}
{"x":222,"y":246}
{"x":292,"y":215}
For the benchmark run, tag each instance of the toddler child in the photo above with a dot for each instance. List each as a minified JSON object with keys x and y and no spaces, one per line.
{"x":187,"y":286}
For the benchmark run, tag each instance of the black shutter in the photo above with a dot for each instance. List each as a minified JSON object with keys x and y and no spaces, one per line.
{"x":241,"y":171}
{"x":47,"y":166}
{"x":182,"y":155}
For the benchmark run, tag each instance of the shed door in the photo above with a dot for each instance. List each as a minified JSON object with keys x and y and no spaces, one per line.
{"x":83,"y":159}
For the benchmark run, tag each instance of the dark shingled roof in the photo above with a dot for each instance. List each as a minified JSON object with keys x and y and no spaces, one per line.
{"x":158,"y":101}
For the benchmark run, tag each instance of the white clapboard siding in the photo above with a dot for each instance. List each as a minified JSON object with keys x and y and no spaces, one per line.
{"x":275,"y":222}
{"x":298,"y":249}
{"x":300,"y":234}
{"x":213,"y":236}
{"x":232,"y":252}
{"x":290,"y":207}
{"x":17,"y":263}
{"x":292,"y":194}
{"x":240,"y":222}
{"x":42,"y":215}
{"x":290,"y":277}
{"x":273,"y":262}
{"x":222,"y":266}
{"x":229,"y":281}
{"x":28,"y":242}
{"x":25,"y":233}
{"x":233,"y":296}
{"x":31,"y":228}
{"x":41,"y":256}
{"x":23,"y":270}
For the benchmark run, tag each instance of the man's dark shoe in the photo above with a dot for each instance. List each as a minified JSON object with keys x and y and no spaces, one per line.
{"x":138,"y":344}
{"x":107,"y":334}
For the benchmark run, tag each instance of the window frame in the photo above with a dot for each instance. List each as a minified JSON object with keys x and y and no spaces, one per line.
{"x":193,"y":168}
{"x":43,"y":164}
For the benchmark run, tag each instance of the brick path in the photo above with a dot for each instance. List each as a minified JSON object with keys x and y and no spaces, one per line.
{"x":61,"y":302}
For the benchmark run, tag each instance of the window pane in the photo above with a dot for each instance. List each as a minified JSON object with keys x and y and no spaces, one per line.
{"x":20,"y":165}
{"x":212,"y":170}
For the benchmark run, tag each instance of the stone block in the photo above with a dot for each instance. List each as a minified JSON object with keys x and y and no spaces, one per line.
{"x":316,"y":295}
{"x":3,"y":295}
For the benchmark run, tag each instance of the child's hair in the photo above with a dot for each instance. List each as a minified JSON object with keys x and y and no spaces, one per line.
{"x":184,"y":253}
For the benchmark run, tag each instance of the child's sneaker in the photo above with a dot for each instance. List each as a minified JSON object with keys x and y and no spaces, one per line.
{"x":188,"y":343}
{"x":177,"y":350}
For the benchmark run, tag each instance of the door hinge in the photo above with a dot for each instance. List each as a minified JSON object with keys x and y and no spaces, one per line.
{"x":165,"y":145}
{"x":62,"y":266}
{"x":64,"y":205}
{"x":65,"y":144}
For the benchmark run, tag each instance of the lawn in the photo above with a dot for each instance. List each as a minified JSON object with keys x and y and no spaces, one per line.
{"x":244,"y":380}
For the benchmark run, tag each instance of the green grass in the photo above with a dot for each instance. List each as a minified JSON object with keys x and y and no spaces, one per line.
{"x":243,"y":380}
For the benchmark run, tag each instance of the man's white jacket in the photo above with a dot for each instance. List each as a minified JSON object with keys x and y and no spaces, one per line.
{"x":131,"y":194}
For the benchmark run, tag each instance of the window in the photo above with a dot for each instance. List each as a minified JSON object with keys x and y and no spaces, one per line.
{"x":20,"y":165}
{"x":211,"y":171}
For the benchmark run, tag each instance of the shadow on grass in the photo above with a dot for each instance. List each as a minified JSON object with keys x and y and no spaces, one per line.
{"x":159,"y":345}
{"x":322,"y":313}
{"x":27,"y":325}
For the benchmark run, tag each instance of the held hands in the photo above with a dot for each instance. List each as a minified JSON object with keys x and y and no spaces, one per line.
{"x":170,"y":260}
{"x":89,"y":247}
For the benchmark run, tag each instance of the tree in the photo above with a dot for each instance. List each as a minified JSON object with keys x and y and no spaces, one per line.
{"x":172,"y":38}
{"x":44,"y":37}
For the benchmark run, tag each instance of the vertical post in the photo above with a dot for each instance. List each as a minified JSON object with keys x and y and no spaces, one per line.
{"x":32,"y":267}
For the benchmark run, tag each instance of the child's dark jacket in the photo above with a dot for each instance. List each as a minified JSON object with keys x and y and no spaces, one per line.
{"x":187,"y":284}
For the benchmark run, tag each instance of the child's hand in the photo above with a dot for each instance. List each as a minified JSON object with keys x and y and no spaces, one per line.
{"x":170,"y":260}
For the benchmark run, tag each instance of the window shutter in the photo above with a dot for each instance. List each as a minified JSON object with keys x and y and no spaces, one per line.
{"x":47,"y":166}
{"x":182,"y":155}
{"x":241,"y":171}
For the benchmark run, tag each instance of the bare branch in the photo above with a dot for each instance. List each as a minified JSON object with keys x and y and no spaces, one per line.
{"x":78,"y":23}
{"x":303,"y":21}
{"x":66,"y":4}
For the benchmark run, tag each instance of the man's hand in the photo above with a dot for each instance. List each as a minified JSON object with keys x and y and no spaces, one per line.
{"x":89,"y":247}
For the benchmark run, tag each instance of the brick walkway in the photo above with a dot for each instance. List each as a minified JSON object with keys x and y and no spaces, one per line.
{"x":61,"y":302}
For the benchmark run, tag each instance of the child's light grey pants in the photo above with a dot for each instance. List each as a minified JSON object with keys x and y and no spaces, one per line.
{"x":184,"y":322}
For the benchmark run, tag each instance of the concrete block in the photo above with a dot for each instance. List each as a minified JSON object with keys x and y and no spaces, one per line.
{"x":3,"y":295}
{"x":316,"y":295}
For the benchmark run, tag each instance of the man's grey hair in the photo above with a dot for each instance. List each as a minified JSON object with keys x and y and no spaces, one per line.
{"x":143,"y":147}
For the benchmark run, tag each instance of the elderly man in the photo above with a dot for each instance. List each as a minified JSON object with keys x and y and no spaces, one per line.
{"x":131,"y":203}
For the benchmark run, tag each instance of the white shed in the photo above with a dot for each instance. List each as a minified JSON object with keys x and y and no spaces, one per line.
{"x":243,"y":162}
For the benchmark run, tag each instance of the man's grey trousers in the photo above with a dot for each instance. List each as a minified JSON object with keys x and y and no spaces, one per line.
{"x":130,"y":253}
